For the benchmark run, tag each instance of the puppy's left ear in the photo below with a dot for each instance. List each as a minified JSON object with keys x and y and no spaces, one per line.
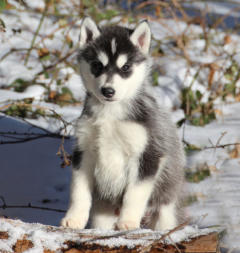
{"x":141,"y":37}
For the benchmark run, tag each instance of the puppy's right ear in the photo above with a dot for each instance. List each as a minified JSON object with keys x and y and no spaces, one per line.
{"x":88,"y":31}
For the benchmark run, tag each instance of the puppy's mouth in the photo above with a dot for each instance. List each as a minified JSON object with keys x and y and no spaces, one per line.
{"x":112,"y":99}
{"x":109,"y":99}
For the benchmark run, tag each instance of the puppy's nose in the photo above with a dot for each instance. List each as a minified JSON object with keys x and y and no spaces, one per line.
{"x":107,"y":92}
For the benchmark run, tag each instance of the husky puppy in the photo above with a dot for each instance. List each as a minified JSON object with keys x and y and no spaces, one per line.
{"x":128,"y":160}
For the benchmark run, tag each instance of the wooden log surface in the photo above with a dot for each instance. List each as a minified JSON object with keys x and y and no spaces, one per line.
{"x":18,"y":236}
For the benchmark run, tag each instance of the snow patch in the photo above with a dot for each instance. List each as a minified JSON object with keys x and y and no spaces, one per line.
{"x":53,"y":238}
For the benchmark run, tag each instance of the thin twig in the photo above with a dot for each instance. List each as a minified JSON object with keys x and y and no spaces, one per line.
{"x":183,"y":132}
{"x":146,"y":249}
{"x":12,"y":50}
{"x":36,"y":34}
{"x":222,"y":146}
{"x":146,"y":3}
{"x":61,"y":152}
{"x":174,"y":244}
{"x":29,"y":136}
{"x":22,"y":140}
{"x":8,"y":133}
{"x":57,"y":62}
{"x":58,"y":116}
{"x":220,"y":138}
{"x":5,"y":206}
{"x":178,"y":6}
{"x":178,"y":38}
{"x":222,"y":18}
{"x":214,"y":146}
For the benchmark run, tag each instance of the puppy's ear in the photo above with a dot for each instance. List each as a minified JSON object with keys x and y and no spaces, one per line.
{"x":88,"y":31}
{"x":141,"y":37}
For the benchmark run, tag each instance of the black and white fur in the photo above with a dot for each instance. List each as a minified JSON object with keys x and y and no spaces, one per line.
{"x":128,"y":161}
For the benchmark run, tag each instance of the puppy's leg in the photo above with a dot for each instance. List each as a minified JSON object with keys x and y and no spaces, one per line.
{"x":167,"y":217}
{"x":103,"y":215}
{"x":80,"y":199}
{"x":134,"y":204}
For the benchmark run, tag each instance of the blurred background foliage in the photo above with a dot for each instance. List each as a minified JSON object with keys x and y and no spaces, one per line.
{"x":65,"y":16}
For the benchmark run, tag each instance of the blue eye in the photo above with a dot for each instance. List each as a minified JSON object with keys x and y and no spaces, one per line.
{"x":125,"y":68}
{"x":96,"y":68}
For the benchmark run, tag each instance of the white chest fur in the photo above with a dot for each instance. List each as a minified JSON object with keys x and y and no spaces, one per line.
{"x":116,"y":146}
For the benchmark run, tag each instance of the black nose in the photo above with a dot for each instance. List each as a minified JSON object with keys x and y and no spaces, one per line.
{"x":107,"y":92}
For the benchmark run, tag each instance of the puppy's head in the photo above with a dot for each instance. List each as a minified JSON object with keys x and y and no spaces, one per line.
{"x":113,"y":60}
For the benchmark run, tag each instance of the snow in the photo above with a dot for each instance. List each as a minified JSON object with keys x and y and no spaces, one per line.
{"x":41,"y":238}
{"x":33,"y":91}
{"x":219,"y":194}
{"x":35,"y":4}
{"x":11,"y":69}
{"x":52,"y":238}
{"x":217,"y":7}
{"x":31,"y":172}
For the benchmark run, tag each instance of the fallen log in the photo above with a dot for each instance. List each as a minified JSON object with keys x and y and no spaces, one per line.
{"x":18,"y":236}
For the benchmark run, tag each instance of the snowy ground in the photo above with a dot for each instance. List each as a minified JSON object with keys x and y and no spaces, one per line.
{"x":219,"y":195}
{"x":31,"y":171}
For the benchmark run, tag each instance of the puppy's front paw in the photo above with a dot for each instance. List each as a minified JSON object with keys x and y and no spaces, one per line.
{"x":126,"y":225}
{"x":73,"y":222}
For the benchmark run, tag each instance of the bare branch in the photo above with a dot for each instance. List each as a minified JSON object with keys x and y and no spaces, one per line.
{"x":223,"y":145}
{"x":5,"y":206}
{"x":36,"y":34}
{"x":220,"y":138}
{"x":57,"y":62}
{"x":156,"y":242}
{"x":29,"y":136}
{"x":27,"y":139}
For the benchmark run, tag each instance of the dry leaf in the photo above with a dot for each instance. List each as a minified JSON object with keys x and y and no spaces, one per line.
{"x":200,"y":195}
{"x":212,"y":168}
{"x":237,"y":97}
{"x":65,"y":97}
{"x":210,"y":76}
{"x":52,"y":95}
{"x":124,"y":19}
{"x":235,"y":153}
{"x":227,"y":39}
{"x":158,"y":11}
{"x":218,"y":112}
{"x":68,"y":39}
{"x":42,"y":52}
{"x":212,"y":67}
